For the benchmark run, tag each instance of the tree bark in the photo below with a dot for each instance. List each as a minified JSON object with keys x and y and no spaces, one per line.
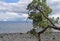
{"x":54,"y":27}
{"x":39,"y":37}
{"x":42,"y":31}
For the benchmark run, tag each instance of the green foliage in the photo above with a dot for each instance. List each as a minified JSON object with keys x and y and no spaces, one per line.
{"x":33,"y":32}
{"x":38,"y":19}
{"x":48,"y":31}
{"x":44,"y":1}
{"x":55,"y":21}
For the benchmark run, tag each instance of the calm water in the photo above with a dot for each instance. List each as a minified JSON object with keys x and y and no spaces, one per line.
{"x":13,"y":27}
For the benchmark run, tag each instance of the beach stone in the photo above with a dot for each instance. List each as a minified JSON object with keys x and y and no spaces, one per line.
{"x":55,"y":36}
{"x":17,"y":37}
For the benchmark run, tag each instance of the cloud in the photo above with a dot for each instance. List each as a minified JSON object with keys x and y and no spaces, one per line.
{"x":55,"y":15}
{"x":17,"y":7}
{"x":17,"y":11}
{"x":10,"y":16}
{"x":55,"y":5}
{"x":13,"y":7}
{"x":13,"y":11}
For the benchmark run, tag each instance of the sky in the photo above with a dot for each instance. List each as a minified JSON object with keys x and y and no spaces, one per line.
{"x":10,"y":1}
{"x":15,"y":10}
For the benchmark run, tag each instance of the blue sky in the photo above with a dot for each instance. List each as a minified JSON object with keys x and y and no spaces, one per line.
{"x":15,"y":10}
{"x":10,"y":1}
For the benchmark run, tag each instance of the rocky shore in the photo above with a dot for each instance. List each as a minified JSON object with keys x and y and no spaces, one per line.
{"x":17,"y":37}
{"x":55,"y":36}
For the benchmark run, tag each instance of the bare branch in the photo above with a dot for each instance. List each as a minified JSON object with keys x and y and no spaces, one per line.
{"x":43,"y":30}
{"x":55,"y":27}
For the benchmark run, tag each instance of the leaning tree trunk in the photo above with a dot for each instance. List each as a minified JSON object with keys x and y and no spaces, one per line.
{"x":39,"y":37}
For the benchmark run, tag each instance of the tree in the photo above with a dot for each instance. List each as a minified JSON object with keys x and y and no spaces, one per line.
{"x":39,"y":12}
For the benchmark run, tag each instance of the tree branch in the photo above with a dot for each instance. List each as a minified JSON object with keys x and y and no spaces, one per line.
{"x":55,"y":27}
{"x":43,"y":30}
{"x":43,"y":13}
